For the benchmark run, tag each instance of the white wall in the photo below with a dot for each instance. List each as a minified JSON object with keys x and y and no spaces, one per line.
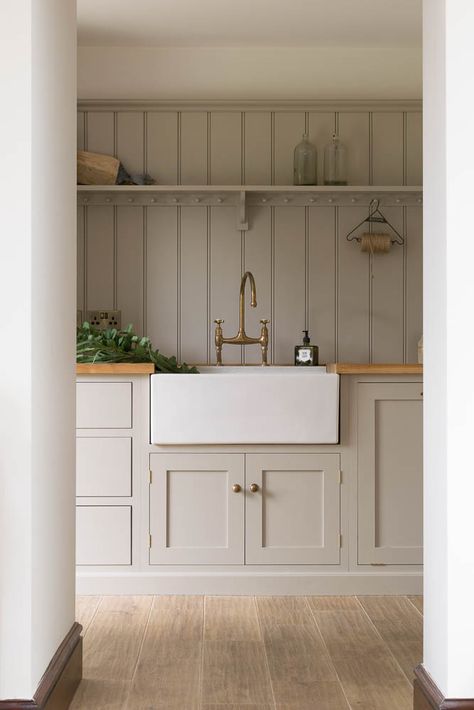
{"x":449,"y":347}
{"x":249,"y":73}
{"x":37,"y":73}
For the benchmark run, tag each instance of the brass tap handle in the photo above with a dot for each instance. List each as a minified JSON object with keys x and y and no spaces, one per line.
{"x":218,"y":320}
{"x":264,"y":321}
{"x":236,"y":488}
{"x":253,"y":487}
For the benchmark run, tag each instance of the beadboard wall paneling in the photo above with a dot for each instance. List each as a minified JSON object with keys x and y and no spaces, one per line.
{"x":173,"y":270}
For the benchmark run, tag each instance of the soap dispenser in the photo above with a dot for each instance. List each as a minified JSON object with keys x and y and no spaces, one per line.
{"x":306,"y":354}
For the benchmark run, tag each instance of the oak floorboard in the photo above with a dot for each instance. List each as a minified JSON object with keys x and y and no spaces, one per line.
{"x":231,"y":619}
{"x":300,"y":668}
{"x":235,"y":672}
{"x":274,"y":611}
{"x":86,"y":607}
{"x":98,"y":694}
{"x":401,"y":627}
{"x":334,"y":603}
{"x":233,"y":706}
{"x":113,"y":640}
{"x":417,"y":601}
{"x":168,"y":673}
{"x":370,"y":676}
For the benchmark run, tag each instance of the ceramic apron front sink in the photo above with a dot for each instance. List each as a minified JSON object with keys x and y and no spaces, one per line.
{"x":246,"y":405}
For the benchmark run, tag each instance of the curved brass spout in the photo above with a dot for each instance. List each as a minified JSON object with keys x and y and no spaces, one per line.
{"x":242,"y":338}
{"x":253,"y":301}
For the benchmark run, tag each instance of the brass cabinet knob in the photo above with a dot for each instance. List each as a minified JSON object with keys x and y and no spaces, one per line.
{"x":236,"y":488}
{"x":253,"y":487}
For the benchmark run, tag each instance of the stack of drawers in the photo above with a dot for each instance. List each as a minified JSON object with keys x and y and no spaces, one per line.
{"x":104,"y":473}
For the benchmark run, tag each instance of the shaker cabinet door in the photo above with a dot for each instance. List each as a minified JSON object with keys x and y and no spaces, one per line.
{"x":292,"y":509}
{"x":390,"y":473}
{"x":197,"y":509}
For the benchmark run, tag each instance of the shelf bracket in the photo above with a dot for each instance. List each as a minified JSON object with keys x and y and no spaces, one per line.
{"x":243,"y":223}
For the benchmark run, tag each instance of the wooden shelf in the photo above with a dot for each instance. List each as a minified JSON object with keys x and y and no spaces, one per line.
{"x":241,"y":196}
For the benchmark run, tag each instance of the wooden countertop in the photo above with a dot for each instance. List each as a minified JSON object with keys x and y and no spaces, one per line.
{"x":118,"y":368}
{"x":349,"y":368}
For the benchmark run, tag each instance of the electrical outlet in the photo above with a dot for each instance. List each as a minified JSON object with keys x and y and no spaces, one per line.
{"x":105,"y":319}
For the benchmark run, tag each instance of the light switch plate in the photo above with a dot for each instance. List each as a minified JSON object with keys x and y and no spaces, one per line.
{"x":104,"y":319}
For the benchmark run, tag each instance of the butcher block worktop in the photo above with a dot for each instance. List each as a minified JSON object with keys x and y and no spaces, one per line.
{"x":115,"y":368}
{"x":349,"y":368}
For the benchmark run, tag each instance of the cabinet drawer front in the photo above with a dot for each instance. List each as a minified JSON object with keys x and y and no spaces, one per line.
{"x":103,"y":535}
{"x":104,"y":405}
{"x":103,"y":466}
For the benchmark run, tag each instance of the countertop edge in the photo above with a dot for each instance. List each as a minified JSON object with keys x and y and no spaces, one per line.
{"x":141,"y":368}
{"x":349,"y":368}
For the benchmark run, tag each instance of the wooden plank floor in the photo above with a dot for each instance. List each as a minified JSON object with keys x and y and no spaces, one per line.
{"x":249,"y":653}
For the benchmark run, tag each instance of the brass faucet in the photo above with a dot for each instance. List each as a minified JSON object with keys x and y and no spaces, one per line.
{"x":242,"y":338}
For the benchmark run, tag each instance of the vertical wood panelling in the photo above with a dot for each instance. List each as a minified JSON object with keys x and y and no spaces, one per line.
{"x":353,"y":334}
{"x":387,"y":297}
{"x":257,"y":148}
{"x":130,"y":140}
{"x":182,"y":270}
{"x":100,"y":132}
{"x":258,"y":260}
{"x":162,"y":278}
{"x":414,"y":148}
{"x":193,"y":150}
{"x":321,"y":128}
{"x":194,"y":307}
{"x":129,"y":276}
{"x":414,"y":281}
{"x":80,"y":261}
{"x":225,"y":279}
{"x":162,"y":146}
{"x":289,"y":306}
{"x":387,"y":148}
{"x":353,"y":129}
{"x":289,"y":128}
{"x":322,"y":280}
{"x":100,"y":259}
{"x":226,"y":144}
{"x":80,"y":130}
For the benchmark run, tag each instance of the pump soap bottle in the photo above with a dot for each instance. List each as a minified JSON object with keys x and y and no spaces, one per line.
{"x":306,"y":354}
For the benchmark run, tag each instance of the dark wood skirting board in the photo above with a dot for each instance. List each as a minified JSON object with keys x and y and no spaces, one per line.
{"x":427,"y":695}
{"x":59,"y":683}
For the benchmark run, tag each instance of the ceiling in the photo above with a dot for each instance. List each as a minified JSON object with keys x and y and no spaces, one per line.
{"x":250,"y":23}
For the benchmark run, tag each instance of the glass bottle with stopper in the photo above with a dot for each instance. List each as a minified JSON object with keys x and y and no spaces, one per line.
{"x":335,"y":155}
{"x":306,"y":354}
{"x":305,"y":163}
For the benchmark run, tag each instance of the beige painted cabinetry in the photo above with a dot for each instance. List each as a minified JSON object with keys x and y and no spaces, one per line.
{"x":293,"y":517}
{"x":196,"y":516}
{"x":390,"y":472}
{"x":208,"y":508}
{"x":343,"y":518}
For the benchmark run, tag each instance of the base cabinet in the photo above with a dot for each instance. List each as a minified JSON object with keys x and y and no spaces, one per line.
{"x":390,"y":473}
{"x":279,"y":508}
{"x":294,"y":516}
{"x":197,"y":509}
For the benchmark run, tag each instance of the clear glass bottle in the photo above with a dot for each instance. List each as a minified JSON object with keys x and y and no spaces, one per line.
{"x":305,"y":163}
{"x":335,"y":155}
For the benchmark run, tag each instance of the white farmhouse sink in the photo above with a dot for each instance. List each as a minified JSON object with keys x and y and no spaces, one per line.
{"x":246,"y":405}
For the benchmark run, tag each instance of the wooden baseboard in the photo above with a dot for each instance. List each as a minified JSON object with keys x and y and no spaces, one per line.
{"x":59,"y":683}
{"x":427,"y":695}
